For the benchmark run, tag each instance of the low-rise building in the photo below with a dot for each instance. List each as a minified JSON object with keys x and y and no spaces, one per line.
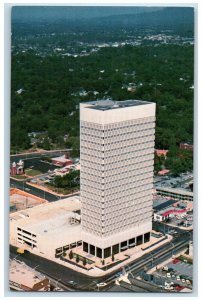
{"x":163,"y":172}
{"x":17,"y":168}
{"x":160,"y":152}
{"x":166,"y":213}
{"x":61,"y":161}
{"x":24,"y":278}
{"x":178,"y":194}
{"x":186,"y":146}
{"x":47,"y":229}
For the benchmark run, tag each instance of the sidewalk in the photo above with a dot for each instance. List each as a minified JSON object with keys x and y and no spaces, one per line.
{"x":96,"y":272}
{"x":166,"y":262}
{"x":50,"y":191}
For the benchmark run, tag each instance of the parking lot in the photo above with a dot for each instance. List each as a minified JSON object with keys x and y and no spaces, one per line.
{"x":182,"y":181}
{"x":175,"y":275}
{"x":185,"y":220}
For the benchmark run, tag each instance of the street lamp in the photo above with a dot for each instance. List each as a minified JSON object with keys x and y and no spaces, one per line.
{"x":173,"y":246}
{"x":57,"y":282}
{"x":16,"y":257}
{"x":35,"y":267}
{"x":152,"y":258}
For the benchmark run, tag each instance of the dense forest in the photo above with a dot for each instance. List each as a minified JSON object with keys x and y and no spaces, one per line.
{"x":52,"y":72}
{"x":52,"y":90}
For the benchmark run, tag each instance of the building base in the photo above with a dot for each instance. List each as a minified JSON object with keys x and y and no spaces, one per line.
{"x":117,"y":248}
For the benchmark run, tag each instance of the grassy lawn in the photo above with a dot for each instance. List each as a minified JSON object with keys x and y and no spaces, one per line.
{"x":31,"y":172}
{"x":19,"y":177}
{"x":62,"y":190}
{"x":183,"y":258}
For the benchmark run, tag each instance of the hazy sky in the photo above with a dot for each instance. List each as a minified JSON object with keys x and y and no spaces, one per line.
{"x":73,"y":12}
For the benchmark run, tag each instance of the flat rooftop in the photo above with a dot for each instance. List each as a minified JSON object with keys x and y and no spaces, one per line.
{"x":175,"y":191}
{"x":110,"y":104}
{"x":23,"y":200}
{"x":159,"y":205}
{"x":50,"y":219}
{"x":22,"y":274}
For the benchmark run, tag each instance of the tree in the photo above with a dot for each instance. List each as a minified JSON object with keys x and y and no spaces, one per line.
{"x":84,"y":261}
{"x":77,"y":258}
{"x":71,"y":254}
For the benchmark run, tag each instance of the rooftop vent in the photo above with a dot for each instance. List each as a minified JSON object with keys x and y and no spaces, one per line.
{"x":105,"y":103}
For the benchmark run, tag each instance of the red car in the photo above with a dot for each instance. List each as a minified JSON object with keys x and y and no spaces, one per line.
{"x":176,"y":261}
{"x":179,"y":288}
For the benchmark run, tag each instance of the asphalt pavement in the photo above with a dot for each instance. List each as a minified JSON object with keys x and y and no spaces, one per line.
{"x":22,"y":185}
{"x":86,"y":283}
{"x":48,"y":267}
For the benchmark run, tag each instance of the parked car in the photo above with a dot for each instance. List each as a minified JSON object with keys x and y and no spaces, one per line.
{"x":168,"y":275}
{"x":178,"y":278}
{"x":176,"y":261}
{"x":169,"y":287}
{"x":101,"y":284}
{"x":73,"y":283}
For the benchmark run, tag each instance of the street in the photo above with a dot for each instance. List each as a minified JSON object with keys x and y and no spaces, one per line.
{"x":86,"y":283}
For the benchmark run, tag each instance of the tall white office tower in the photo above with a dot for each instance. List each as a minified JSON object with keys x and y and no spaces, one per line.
{"x":117,"y":156}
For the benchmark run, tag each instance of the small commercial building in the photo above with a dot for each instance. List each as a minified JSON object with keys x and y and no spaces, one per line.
{"x":160,"y":152}
{"x":163,"y":172}
{"x":177,"y":194}
{"x":17,"y":168}
{"x":24,"y":278}
{"x":166,"y":213}
{"x":186,"y":146}
{"x":61,"y":161}
{"x":47,"y":229}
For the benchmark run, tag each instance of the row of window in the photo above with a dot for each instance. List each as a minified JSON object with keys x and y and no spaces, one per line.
{"x":25,"y":232}
{"x":117,"y":125}
{"x":127,"y":195}
{"x":112,"y":159}
{"x":113,"y":145}
{"x":119,"y":185}
{"x":111,"y":136}
{"x":108,"y":177}
{"x":91,"y":190}
{"x":145,"y":160}
{"x":115,"y":209}
{"x":117,"y":227}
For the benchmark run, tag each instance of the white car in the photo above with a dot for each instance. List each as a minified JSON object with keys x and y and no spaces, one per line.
{"x":101,"y":284}
{"x":178,"y":278}
{"x":168,"y":287}
{"x":183,"y":280}
{"x":188,"y":281}
{"x":168,"y":275}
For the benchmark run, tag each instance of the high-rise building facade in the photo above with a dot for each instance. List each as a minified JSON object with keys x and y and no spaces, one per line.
{"x":117,"y":156}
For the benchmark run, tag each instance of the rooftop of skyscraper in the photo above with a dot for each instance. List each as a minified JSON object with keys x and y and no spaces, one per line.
{"x":107,"y":104}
